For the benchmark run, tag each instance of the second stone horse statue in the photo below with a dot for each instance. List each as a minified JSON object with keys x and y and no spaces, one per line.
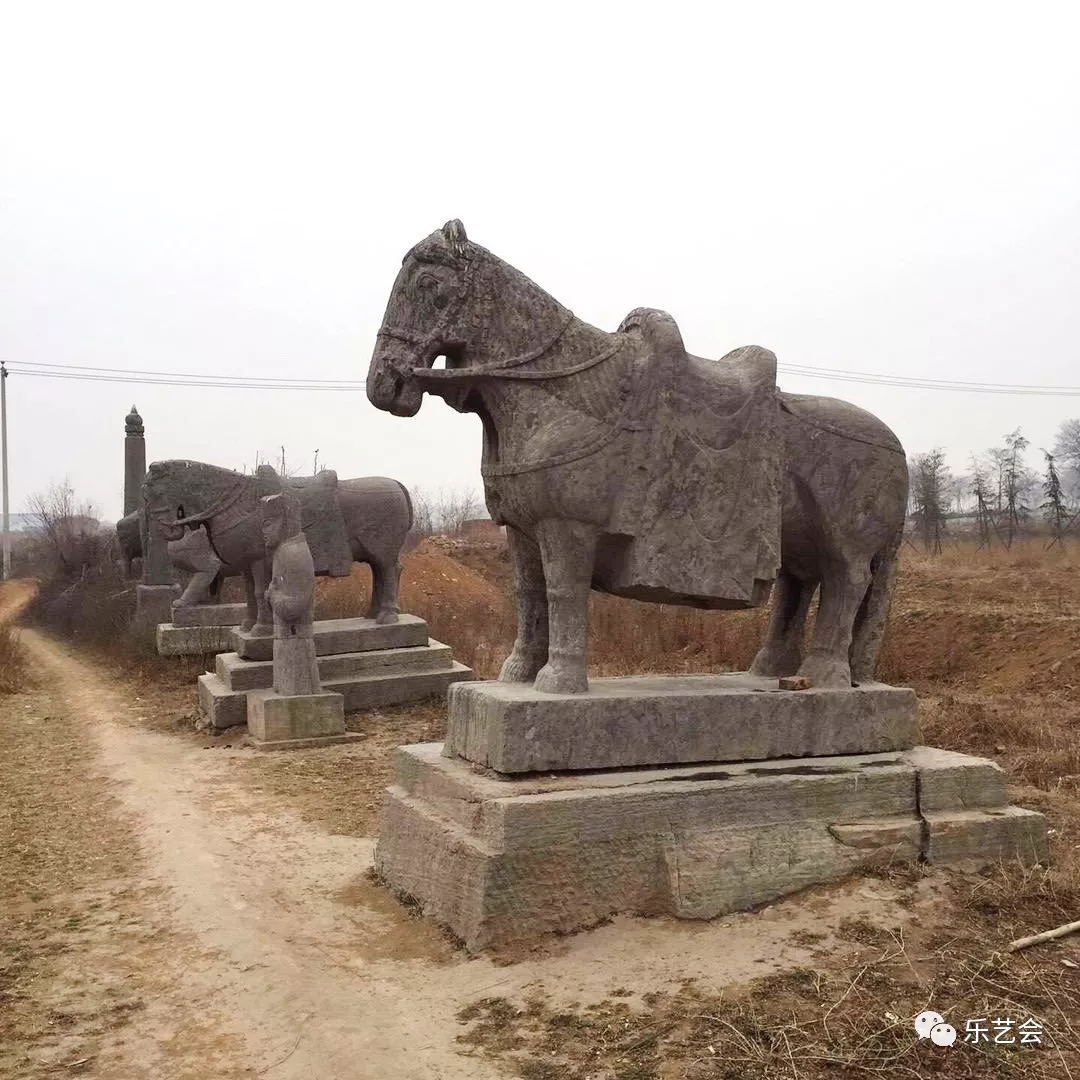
{"x":361,"y":520}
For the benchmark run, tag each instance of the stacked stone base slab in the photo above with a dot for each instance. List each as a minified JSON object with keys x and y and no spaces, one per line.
{"x":296,"y":721}
{"x":200,"y":628}
{"x":498,"y":859}
{"x":367,"y":664}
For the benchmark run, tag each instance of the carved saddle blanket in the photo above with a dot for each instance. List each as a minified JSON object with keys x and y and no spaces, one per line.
{"x":321,"y":517}
{"x":702,"y":500}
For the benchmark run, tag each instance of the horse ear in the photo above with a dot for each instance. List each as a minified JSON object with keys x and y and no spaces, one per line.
{"x":454,"y":232}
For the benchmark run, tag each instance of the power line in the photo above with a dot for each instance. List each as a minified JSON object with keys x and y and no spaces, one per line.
{"x":175,"y":374}
{"x":45,"y":370}
{"x":198,"y":382}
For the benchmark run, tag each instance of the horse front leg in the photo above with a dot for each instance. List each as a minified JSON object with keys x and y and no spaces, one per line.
{"x":530,"y":651}
{"x":568,"y":551}
{"x":782,"y":652}
{"x":251,"y":617}
{"x":264,"y":622}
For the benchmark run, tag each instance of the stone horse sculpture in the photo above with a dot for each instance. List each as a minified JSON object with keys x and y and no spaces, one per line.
{"x":360,"y":520}
{"x":621,"y":462}
{"x":129,"y":538}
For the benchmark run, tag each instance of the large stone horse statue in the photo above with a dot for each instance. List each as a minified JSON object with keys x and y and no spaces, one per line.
{"x":621,"y":462}
{"x":211,"y":519}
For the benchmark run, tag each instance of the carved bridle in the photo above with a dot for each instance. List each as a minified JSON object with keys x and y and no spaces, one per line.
{"x":499,"y":369}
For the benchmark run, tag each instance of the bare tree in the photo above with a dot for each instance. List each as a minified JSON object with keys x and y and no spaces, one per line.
{"x":958,"y":488}
{"x":1067,"y":455}
{"x":1017,"y":481}
{"x":981,"y":489}
{"x":444,"y":513}
{"x":1055,"y":511}
{"x":71,"y":538}
{"x":280,"y":465}
{"x":931,"y":482}
{"x":1067,"y":446}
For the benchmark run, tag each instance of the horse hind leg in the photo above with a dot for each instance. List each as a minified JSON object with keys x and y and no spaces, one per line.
{"x":782,"y":652}
{"x":873,"y":615}
{"x":843,"y":588}
{"x":385,"y":578}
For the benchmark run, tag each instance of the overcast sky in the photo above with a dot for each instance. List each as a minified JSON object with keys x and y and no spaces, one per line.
{"x":229,"y":188}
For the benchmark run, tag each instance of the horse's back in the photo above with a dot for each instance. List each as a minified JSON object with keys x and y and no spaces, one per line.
{"x":846,"y":476}
{"x":376,"y":509}
{"x":841,"y":418}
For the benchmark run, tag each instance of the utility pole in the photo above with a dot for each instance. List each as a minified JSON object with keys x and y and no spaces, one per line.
{"x":3,"y":451}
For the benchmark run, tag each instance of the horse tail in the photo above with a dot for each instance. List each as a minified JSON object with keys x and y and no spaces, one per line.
{"x":408,"y":503}
{"x":869,"y":630}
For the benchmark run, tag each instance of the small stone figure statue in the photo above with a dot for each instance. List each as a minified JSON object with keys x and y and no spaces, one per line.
{"x":291,"y":596}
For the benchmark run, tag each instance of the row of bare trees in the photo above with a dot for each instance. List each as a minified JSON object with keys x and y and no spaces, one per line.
{"x":1001,"y":496}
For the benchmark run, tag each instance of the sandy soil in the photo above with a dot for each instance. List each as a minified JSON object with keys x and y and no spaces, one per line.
{"x":241,"y":939}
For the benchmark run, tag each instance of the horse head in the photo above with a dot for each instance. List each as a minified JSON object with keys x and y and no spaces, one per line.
{"x":179,"y":494}
{"x":425,"y":318}
{"x":454,"y":298}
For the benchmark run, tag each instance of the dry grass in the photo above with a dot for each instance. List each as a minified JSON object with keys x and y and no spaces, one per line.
{"x":991,"y":642}
{"x":65,"y":866}
{"x":14,"y":668}
{"x":343,"y":791}
{"x":805,"y":1024}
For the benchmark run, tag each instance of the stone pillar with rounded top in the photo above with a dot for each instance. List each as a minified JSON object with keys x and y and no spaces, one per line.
{"x":155,"y":593}
{"x":296,"y":712}
{"x":134,"y":460}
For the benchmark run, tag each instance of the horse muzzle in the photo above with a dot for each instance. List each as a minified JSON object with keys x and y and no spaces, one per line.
{"x":392,"y":391}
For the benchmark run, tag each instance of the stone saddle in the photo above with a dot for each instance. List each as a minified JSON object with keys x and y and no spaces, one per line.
{"x":694,"y":419}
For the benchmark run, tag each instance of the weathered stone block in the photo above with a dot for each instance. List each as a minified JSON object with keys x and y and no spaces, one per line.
{"x":273,"y":717}
{"x":223,"y":708}
{"x":952,"y":781}
{"x":240,"y":674}
{"x":209,"y":615}
{"x":499,"y":858}
{"x":368,"y":688}
{"x":979,"y":838}
{"x":153,"y":605}
{"x":175,"y":640}
{"x":333,"y":636}
{"x":664,"y":720}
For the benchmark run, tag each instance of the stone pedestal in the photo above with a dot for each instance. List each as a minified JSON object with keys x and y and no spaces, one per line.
{"x":227,"y":615}
{"x":199,"y":628}
{"x":153,"y":605}
{"x":295,"y":721}
{"x":772,"y":804}
{"x":672,"y":719}
{"x":368,"y":664}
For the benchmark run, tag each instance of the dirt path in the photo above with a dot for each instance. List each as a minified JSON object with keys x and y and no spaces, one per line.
{"x":262,"y":949}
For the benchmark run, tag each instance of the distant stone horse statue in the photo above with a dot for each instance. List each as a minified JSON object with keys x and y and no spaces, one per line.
{"x":362,"y":520}
{"x":621,"y":462}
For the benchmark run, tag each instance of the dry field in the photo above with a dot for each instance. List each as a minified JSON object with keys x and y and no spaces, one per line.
{"x":172,"y":905}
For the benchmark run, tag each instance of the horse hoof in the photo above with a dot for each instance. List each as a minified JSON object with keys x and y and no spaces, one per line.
{"x":561,"y":680}
{"x":774,"y":665}
{"x":518,"y":667}
{"x":826,"y":672}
